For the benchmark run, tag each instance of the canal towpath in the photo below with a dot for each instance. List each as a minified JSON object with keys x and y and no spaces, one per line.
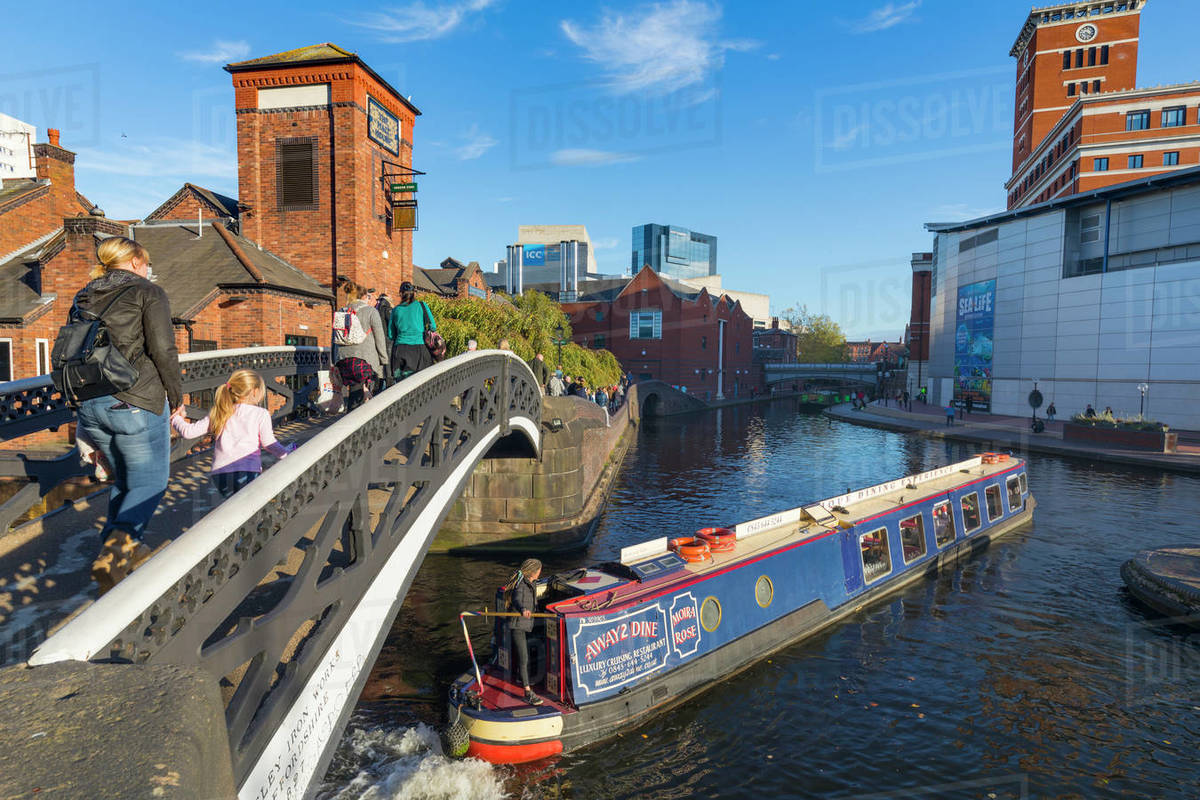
{"x":1003,"y":432}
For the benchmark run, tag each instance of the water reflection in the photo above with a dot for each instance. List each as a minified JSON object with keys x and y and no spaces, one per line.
{"x":1024,"y":671}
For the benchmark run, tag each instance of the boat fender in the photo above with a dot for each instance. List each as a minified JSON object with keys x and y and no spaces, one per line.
{"x":720,"y":540}
{"x":455,"y":739}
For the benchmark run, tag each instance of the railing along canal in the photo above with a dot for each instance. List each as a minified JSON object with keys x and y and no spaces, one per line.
{"x":286,"y":592}
{"x":32,"y":405}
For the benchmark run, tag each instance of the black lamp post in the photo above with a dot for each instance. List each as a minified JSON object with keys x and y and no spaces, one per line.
{"x":1142,"y":388}
{"x":560,"y":340}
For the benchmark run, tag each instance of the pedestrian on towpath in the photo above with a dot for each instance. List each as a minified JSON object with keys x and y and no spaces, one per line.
{"x":970,"y":401}
{"x":241,"y":427}
{"x":1089,"y":412}
{"x":950,"y":414}
{"x":130,"y":428}
{"x":410,"y":318}
{"x":362,"y":356}
{"x":1051,"y":411}
{"x":555,"y":386}
{"x":522,"y":596}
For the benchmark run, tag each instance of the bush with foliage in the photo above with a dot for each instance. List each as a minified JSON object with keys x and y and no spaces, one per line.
{"x":530,"y":323}
{"x":1107,"y":421}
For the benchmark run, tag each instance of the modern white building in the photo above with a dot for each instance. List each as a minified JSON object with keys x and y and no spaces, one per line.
{"x":757,"y":306}
{"x":16,"y":148}
{"x":1092,"y":295}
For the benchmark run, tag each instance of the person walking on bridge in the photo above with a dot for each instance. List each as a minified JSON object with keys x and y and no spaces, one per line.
{"x":130,"y":428}
{"x":523,"y":597}
{"x":410,"y":319}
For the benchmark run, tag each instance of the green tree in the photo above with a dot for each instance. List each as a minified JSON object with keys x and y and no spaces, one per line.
{"x":819,"y":339}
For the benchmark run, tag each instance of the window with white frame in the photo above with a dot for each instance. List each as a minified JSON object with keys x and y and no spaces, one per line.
{"x":645,"y":324}
{"x":6,"y":365}
{"x":42,"y":356}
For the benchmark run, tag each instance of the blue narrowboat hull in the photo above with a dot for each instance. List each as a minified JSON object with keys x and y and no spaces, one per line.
{"x":620,"y":651}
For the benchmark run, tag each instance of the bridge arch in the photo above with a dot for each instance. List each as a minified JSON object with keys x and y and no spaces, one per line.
{"x":287,"y":591}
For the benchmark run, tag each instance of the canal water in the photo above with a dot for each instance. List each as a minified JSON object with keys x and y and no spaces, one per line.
{"x":1024,"y":671}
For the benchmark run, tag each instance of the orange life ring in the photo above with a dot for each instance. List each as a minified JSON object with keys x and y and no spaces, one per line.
{"x":990,"y":458}
{"x":689,"y":548}
{"x":1001,"y":457}
{"x":720,"y":540}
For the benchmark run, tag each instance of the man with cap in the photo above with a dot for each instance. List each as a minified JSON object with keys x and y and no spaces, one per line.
{"x":523,"y":597}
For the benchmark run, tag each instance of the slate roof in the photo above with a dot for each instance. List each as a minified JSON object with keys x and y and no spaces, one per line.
{"x":18,"y":278}
{"x":220,"y":204}
{"x":13,"y":188}
{"x":190,"y":268}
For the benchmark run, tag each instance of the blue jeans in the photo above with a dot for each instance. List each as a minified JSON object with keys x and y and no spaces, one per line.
{"x":228,"y":483}
{"x":137,"y":446}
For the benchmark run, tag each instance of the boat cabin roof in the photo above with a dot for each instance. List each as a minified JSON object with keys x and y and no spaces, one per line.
{"x":646,"y":568}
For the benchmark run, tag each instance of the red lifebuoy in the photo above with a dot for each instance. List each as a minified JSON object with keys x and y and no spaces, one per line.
{"x":720,"y":540}
{"x":689,"y":548}
{"x":990,"y":458}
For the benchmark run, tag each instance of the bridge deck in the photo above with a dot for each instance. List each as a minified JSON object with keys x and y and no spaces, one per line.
{"x":45,"y":563}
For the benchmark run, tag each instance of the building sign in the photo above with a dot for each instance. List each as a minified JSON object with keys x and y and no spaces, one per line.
{"x":535,"y":255}
{"x":476,"y":292}
{"x":383,"y":127}
{"x":610,"y":652}
{"x":973,"y":325}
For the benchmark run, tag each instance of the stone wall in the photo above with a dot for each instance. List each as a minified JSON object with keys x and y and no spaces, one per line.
{"x":518,"y":503}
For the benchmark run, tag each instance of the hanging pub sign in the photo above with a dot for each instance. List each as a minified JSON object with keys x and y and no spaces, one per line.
{"x":383,"y":127}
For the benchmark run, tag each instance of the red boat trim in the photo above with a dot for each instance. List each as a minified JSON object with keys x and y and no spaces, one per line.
{"x":926,"y":498}
{"x":513,"y":753}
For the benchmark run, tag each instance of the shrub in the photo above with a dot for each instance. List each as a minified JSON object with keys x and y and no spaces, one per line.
{"x":530,"y":323}
{"x":1109,"y":422}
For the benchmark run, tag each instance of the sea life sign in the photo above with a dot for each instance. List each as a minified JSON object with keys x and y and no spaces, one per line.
{"x":612,"y":651}
{"x":974,"y":319}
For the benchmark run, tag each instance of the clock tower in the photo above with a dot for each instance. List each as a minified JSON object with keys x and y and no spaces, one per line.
{"x":1066,"y":52}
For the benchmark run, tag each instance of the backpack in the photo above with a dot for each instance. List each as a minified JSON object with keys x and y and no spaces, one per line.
{"x":84,"y":363}
{"x":347,"y":329}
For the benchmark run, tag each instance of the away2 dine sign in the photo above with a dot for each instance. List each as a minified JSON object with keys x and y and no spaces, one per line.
{"x":614,"y":651}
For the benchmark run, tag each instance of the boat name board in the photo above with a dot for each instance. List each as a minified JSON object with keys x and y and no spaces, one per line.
{"x":744,"y":529}
{"x":609,"y":652}
{"x":892,"y":486}
{"x":640,"y":552}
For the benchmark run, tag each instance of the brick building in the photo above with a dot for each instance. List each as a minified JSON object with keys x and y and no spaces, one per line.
{"x":453,"y":279}
{"x":321,"y":139}
{"x":1080,"y":122}
{"x":661,"y":329}
{"x":775,"y":345}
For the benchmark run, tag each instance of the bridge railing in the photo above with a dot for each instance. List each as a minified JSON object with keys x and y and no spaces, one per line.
{"x":32,"y":405}
{"x":286,"y":591}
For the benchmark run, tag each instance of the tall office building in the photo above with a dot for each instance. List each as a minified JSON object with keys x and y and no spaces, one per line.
{"x":547,"y":254}
{"x":673,"y":251}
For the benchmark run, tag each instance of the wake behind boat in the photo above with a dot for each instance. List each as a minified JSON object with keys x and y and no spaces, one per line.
{"x":615,"y":643}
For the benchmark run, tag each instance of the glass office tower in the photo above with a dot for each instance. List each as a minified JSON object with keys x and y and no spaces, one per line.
{"x":673,"y":251}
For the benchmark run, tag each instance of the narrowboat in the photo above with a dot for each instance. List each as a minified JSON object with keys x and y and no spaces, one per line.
{"x":620,"y":641}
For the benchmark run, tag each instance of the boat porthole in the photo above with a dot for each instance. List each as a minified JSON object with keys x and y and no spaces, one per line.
{"x":710,"y":614}
{"x":764,"y":591}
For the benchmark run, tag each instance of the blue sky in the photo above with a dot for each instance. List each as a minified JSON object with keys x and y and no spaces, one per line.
{"x":774,"y":126}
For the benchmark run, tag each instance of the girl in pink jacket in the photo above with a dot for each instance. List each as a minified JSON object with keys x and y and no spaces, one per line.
{"x":241,"y":427}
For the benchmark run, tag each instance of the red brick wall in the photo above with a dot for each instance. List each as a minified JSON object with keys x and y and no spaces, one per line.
{"x":27,"y":219}
{"x":689,"y":341}
{"x":187,"y":209}
{"x":348,"y":231}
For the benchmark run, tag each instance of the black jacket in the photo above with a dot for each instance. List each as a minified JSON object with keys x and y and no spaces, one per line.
{"x":540,"y":370}
{"x":385,"y":313}
{"x":524,"y":598}
{"x":140,"y":326}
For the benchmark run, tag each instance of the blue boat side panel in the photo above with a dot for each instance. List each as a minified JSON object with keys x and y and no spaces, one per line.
{"x":851,"y":563}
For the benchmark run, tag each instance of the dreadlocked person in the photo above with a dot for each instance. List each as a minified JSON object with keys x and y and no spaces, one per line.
{"x":524,"y":601}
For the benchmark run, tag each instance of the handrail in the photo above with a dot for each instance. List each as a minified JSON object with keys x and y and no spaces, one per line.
{"x":287,"y":590}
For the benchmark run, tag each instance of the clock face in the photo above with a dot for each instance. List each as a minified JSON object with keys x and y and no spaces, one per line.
{"x":1085,"y":33}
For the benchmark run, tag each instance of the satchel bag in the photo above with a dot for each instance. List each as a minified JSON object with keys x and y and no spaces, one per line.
{"x":433,"y":339}
{"x":84,"y":362}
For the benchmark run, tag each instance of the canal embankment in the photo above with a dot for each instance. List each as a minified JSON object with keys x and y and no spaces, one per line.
{"x":1007,"y":433}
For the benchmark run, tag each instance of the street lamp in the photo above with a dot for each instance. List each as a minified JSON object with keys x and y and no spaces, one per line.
{"x":1142,"y":389}
{"x":560,"y":339}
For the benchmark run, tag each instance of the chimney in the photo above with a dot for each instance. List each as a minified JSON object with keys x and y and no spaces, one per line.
{"x":57,"y":166}
{"x":52,"y":134}
{"x":774,"y":323}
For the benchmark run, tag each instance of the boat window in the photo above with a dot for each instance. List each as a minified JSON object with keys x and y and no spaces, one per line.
{"x":995,"y":507}
{"x":912,"y":537}
{"x":710,"y":614}
{"x":1014,"y":493}
{"x":1024,"y":485}
{"x":877,"y":562}
{"x":943,"y":524}
{"x":764,"y":591}
{"x":970,"y":509}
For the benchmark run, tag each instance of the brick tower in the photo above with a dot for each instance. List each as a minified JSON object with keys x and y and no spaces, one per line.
{"x":1067,"y":51}
{"x":318,"y":132}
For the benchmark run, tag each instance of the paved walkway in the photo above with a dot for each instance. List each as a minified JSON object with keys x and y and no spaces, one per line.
{"x":1000,"y":432}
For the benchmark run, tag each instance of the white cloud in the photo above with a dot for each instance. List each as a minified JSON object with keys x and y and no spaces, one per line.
{"x":130,"y":180}
{"x":418,"y":22}
{"x":222,"y":52}
{"x":773,"y":56}
{"x":588,"y":158}
{"x":477,"y":143}
{"x":885,"y":17}
{"x":665,"y":47}
{"x":605,"y":244}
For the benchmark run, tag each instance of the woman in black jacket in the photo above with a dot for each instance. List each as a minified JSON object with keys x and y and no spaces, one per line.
{"x":524,"y":601}
{"x":131,"y":428}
